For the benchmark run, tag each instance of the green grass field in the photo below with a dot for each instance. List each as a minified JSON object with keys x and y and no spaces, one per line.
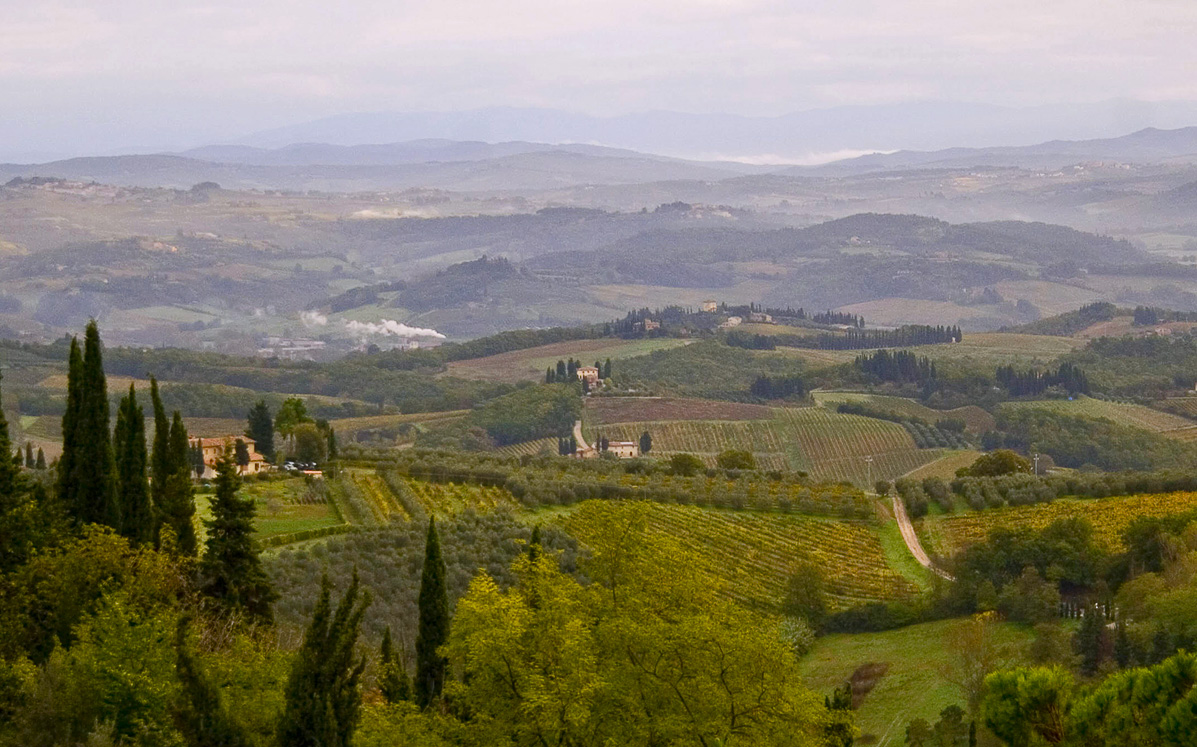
{"x":976,"y":420}
{"x":913,"y":687}
{"x":1136,"y":416}
{"x":945,"y":467}
{"x":530,"y":364}
{"x":283,"y":507}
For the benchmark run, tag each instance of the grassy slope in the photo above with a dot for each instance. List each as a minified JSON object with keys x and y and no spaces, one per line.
{"x":1136,"y":416}
{"x":912,"y":688}
{"x":530,"y":364}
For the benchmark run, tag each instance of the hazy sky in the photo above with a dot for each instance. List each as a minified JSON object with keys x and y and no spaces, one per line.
{"x":110,"y":73}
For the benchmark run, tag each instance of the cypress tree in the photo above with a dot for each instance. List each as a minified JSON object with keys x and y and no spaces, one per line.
{"x":159,"y":458}
{"x":433,"y":627}
{"x":322,"y":700}
{"x":178,"y":507}
{"x":8,"y":471}
{"x":261,"y":429}
{"x":93,"y":464}
{"x":29,"y":454}
{"x":231,"y":572}
{"x":41,"y":459}
{"x":68,"y":481}
{"x":137,"y":514}
{"x":197,"y":711}
{"x":393,"y":682}
{"x":1089,"y":640}
{"x":19,"y":514}
{"x":332,"y":444}
{"x":534,"y":547}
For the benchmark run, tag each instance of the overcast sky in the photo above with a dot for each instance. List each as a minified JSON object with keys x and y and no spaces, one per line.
{"x":103,"y":74}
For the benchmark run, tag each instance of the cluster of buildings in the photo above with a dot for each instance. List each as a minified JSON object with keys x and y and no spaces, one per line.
{"x":291,"y":348}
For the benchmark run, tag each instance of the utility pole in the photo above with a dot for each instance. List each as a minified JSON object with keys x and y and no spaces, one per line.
{"x":1036,"y":465}
{"x":869,"y":467}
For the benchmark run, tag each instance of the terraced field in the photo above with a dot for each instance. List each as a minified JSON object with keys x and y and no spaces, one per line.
{"x":530,"y":364}
{"x":755,"y":554}
{"x":1136,"y":416}
{"x":1109,"y":516}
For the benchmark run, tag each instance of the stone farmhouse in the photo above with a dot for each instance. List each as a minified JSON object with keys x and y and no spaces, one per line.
{"x":588,"y":373}
{"x":213,"y":448}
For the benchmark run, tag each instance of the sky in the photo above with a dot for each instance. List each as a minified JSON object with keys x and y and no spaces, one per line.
{"x":103,"y":75}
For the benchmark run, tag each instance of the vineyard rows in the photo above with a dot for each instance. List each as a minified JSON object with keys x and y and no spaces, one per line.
{"x":884,"y":467}
{"x":975,"y":418}
{"x":529,"y":448}
{"x":755,"y":554}
{"x":1109,"y":517}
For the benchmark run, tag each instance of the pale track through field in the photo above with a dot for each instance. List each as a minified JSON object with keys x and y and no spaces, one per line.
{"x":912,"y":540}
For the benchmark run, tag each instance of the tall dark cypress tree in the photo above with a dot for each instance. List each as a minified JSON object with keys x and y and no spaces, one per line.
{"x":159,"y":458}
{"x":68,"y":481}
{"x":322,"y":699}
{"x":18,"y":512}
{"x":433,"y":628}
{"x":231,"y":572}
{"x":393,"y":682}
{"x":261,"y":429}
{"x":8,"y":471}
{"x":178,"y":502}
{"x":94,"y":467}
{"x":133,"y":491}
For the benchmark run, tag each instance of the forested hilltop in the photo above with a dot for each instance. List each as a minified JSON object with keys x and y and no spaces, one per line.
{"x":666,"y":528}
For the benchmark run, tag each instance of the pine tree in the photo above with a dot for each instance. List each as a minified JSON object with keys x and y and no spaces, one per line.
{"x":41,"y":459}
{"x":322,"y":700}
{"x":393,"y":681}
{"x":68,"y":481}
{"x":433,"y":627}
{"x":92,"y":466}
{"x":231,"y":571}
{"x":197,"y":710}
{"x":261,"y":429}
{"x":133,"y":485}
{"x":178,"y":503}
{"x":1123,"y":651}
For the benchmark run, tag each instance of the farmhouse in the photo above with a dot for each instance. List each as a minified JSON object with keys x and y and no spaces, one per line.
{"x":213,"y":448}
{"x":710,"y":307}
{"x":760,"y":318}
{"x":624,"y":449}
{"x":588,"y":373}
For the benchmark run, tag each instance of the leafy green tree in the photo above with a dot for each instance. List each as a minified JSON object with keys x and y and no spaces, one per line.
{"x":393,"y":682}
{"x":133,"y":484}
{"x":309,"y":444}
{"x":197,"y":710}
{"x":433,"y":625}
{"x":882,"y":487}
{"x":261,"y":429}
{"x":231,"y":571}
{"x":323,"y":699}
{"x":1000,"y":462}
{"x":919,"y":734}
{"x":685,"y":464}
{"x":806,"y":596}
{"x":736,"y":459}
{"x":292,"y":413}
{"x":1029,"y":706}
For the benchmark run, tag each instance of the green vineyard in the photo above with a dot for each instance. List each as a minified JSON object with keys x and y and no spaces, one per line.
{"x":755,"y":554}
{"x":1137,"y":416}
{"x":828,"y":445}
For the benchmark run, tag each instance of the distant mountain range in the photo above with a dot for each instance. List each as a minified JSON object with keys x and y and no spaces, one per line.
{"x":805,"y":137}
{"x":522,"y":166}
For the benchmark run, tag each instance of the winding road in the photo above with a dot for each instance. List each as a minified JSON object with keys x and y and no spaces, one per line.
{"x":912,"y":540}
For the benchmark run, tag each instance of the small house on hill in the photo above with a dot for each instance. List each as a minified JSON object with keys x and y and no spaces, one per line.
{"x":710,"y":307}
{"x":588,"y":373}
{"x":213,"y":448}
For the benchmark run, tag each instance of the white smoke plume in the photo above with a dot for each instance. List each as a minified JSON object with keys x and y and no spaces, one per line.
{"x":313,"y":319}
{"x":390,"y":327}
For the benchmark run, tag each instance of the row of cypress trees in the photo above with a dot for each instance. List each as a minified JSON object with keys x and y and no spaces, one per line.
{"x":110,"y":478}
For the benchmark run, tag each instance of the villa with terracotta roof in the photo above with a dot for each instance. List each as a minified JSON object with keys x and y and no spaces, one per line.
{"x":214,"y":447}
